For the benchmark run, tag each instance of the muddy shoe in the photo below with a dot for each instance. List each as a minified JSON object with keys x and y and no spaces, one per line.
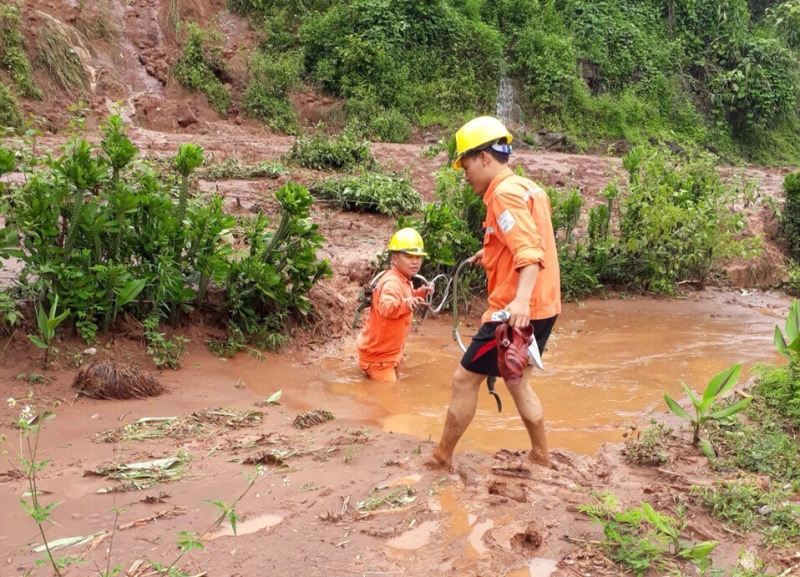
{"x":512,"y":351}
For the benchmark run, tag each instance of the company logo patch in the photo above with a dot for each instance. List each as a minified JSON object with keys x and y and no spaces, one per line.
{"x":506,"y":221}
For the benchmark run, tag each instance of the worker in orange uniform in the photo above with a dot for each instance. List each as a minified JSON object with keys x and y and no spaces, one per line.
{"x":519,"y":255}
{"x":394,"y":300}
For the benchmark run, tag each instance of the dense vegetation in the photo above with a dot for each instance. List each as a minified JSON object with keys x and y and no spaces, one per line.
{"x":104,"y":236}
{"x":675,"y":221}
{"x":722,"y":74}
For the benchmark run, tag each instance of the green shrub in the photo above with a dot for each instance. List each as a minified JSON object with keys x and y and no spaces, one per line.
{"x":12,"y":55}
{"x":781,"y":392}
{"x":625,"y":41}
{"x":372,"y":192}
{"x":106,"y":234}
{"x":752,"y":508}
{"x":323,"y":152}
{"x":678,"y":220}
{"x":451,"y":228}
{"x":269,"y":282}
{"x":202,"y":67}
{"x":266,"y":95}
{"x":298,"y":8}
{"x":546,"y":63}
{"x":766,"y":444}
{"x":376,"y":122}
{"x":421,"y":58}
{"x":10,"y":115}
{"x":790,"y":216}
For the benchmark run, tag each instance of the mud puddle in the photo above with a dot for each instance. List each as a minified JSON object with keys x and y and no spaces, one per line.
{"x":607,"y":365}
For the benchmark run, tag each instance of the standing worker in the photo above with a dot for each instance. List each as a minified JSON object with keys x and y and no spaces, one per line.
{"x":521,"y":262}
{"x":382,"y":340}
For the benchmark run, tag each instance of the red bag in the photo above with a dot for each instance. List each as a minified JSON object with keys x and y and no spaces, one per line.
{"x":512,"y":351}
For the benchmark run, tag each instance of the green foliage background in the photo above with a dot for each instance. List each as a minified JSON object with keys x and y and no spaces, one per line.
{"x":718,"y":73}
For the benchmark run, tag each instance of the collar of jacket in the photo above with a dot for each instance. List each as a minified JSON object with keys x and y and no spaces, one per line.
{"x":501,"y":176}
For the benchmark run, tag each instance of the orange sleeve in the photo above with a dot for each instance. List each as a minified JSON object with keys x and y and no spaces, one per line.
{"x":516,"y":228}
{"x":391,"y":304}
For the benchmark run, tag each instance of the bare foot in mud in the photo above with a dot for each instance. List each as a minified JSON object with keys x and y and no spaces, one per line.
{"x":439,"y":461}
{"x":542,"y":460}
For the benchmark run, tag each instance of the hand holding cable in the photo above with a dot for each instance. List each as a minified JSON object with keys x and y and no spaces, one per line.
{"x":413,"y":303}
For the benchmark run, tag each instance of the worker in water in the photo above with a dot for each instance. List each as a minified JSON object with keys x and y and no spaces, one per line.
{"x":394,"y":300}
{"x":519,"y":255}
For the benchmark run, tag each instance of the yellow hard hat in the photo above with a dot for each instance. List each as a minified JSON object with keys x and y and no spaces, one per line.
{"x":407,"y":240}
{"x":480,"y":133}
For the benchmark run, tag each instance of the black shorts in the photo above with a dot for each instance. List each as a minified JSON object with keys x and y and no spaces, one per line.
{"x":481,"y":355}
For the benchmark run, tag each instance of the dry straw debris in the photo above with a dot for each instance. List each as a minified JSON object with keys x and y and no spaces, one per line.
{"x":116,"y":381}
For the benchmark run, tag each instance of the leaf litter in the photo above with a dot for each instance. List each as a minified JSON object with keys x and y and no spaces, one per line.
{"x":202,"y":424}
{"x":142,"y":475}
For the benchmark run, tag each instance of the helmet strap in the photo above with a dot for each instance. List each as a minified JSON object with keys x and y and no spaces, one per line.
{"x":502,"y":147}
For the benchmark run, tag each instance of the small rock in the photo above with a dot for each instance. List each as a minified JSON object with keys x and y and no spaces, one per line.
{"x":96,"y":416}
{"x":764,"y":510}
{"x":238,"y":121}
{"x":187,"y":118}
{"x":550,"y":140}
{"x":91,"y":352}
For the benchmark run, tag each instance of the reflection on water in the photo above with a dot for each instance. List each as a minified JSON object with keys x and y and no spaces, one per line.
{"x":607,"y":364}
{"x":245,"y":527}
{"x":536,"y":567}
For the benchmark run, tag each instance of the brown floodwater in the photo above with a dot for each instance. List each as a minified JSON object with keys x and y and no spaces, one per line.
{"x":607,"y":366}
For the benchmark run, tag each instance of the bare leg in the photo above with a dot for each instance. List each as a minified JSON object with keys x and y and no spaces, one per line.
{"x":460,"y":413}
{"x":530,"y":410}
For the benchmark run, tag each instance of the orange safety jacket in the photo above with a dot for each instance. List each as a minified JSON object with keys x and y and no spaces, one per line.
{"x":518,"y":233}
{"x":384,"y":334}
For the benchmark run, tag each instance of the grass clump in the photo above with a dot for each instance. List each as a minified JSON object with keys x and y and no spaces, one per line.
{"x":779,"y":388}
{"x":372,"y":192}
{"x":323,"y":152}
{"x":12,"y":55}
{"x":750,"y":507}
{"x":56,"y":55}
{"x":649,"y":446}
{"x":201,"y":66}
{"x":767,"y":444}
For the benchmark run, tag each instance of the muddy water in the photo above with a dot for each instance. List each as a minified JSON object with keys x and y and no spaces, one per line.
{"x":607,"y":365}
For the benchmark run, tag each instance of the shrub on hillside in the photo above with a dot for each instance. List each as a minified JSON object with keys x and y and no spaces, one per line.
{"x":266,"y":95}
{"x":376,"y":122}
{"x":12,"y":55}
{"x":202,"y":67}
{"x":790,"y":217}
{"x":10,"y":115}
{"x":425,"y":59}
